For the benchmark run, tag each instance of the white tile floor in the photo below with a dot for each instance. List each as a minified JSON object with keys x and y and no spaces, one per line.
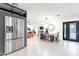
{"x":36,"y":47}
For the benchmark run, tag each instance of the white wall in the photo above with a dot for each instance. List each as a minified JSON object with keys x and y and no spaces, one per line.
{"x":57,"y":22}
{"x":71,"y":19}
{"x":36,"y":14}
{"x":37,"y":18}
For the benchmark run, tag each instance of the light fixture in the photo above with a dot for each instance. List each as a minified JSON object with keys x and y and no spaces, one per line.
{"x":58,"y":15}
{"x":46,"y":18}
{"x":51,"y":27}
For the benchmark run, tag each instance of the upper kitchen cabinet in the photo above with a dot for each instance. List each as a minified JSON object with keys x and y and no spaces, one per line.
{"x":13,"y":9}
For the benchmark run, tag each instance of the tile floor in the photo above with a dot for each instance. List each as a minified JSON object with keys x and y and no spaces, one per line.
{"x":37,"y":47}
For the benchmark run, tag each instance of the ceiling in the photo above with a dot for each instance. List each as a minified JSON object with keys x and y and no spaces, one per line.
{"x":35,"y":11}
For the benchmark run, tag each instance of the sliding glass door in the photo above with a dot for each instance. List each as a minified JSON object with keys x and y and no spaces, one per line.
{"x":72,"y":28}
{"x":64,"y":30}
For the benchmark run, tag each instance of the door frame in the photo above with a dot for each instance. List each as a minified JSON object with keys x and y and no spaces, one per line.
{"x":76,"y":30}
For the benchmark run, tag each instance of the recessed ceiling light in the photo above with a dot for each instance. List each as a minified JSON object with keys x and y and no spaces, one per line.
{"x":58,"y":15}
{"x":46,"y":18}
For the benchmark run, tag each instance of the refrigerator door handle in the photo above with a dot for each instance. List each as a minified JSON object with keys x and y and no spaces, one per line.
{"x":11,"y":28}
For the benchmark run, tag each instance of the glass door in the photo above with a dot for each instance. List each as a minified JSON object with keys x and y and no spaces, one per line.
{"x":64,"y":30}
{"x":72,"y":28}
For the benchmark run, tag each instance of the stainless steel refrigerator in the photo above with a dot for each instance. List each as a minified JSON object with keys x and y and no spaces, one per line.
{"x":14,"y":34}
{"x":12,"y":29}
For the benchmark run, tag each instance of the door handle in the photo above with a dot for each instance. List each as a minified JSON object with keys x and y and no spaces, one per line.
{"x":11,"y":28}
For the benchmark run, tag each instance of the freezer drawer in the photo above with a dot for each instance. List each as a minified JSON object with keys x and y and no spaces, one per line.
{"x":10,"y":46}
{"x":20,"y":43}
